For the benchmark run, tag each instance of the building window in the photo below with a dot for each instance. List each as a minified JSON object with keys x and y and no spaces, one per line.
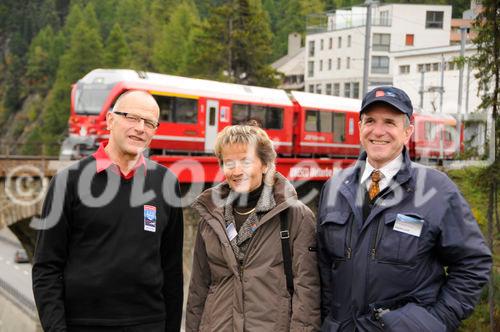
{"x":329,"y":64}
{"x":404,"y":69}
{"x":311,"y":48}
{"x":434,"y":20}
{"x":336,"y":89}
{"x":451,"y":65}
{"x":347,"y":90}
{"x":348,"y":63}
{"x":310,"y":69}
{"x":321,"y":45}
{"x":339,"y":62}
{"x":420,"y":68}
{"x":435,"y":66}
{"x":318,"y":88}
{"x":381,"y":42}
{"x":339,"y":42}
{"x":320,"y":65}
{"x":330,"y":43}
{"x":427,"y":67}
{"x":380,"y":65}
{"x":328,"y":89}
{"x":355,"y":90}
{"x":384,"y":18}
{"x":349,"y":41}
{"x":409,"y":39}
{"x":311,"y":88}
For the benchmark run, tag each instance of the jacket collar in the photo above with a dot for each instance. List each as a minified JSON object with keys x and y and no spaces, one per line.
{"x":210,"y":204}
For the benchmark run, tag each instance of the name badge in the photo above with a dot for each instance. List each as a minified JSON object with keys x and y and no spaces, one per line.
{"x":231,"y":231}
{"x":149,"y":218}
{"x":408,"y":225}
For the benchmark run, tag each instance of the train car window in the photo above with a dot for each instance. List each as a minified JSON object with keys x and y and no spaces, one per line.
{"x":258,"y":113}
{"x":448,"y":133}
{"x":176,"y":109}
{"x":211,"y":118}
{"x":311,"y":120}
{"x":268,"y":117}
{"x":274,"y":118}
{"x":325,"y":122}
{"x":167,"y":108}
{"x":186,"y":110}
{"x":430,"y":131}
{"x":338,"y":127}
{"x":240,"y":114}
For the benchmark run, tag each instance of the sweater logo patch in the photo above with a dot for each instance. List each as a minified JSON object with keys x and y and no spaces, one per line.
{"x":149,"y":218}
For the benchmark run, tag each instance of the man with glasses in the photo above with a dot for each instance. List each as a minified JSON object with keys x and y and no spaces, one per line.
{"x":112,"y":260}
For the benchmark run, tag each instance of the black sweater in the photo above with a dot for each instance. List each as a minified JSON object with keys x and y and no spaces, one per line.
{"x":98,"y":265}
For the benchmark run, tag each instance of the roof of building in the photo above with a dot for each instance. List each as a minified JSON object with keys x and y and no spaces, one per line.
{"x":291,"y":64}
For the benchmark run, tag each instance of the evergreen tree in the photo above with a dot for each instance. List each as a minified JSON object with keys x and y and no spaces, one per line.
{"x":136,"y":22}
{"x":83,"y":55}
{"x":171,"y":52}
{"x":234,"y":44}
{"x":117,"y":52}
{"x":293,"y":19}
{"x":487,"y":63}
{"x":43,"y":59}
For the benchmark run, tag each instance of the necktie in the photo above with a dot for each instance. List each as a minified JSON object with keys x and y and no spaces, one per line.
{"x":374,"y":188}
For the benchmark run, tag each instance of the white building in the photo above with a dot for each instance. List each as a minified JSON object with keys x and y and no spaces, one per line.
{"x":291,"y":66}
{"x":410,"y":66}
{"x":335,"y":47}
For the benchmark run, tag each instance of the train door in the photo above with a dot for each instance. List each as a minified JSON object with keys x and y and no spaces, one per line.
{"x":211,"y":124}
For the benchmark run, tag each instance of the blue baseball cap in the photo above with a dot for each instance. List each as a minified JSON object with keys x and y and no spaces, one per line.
{"x":395,"y":97}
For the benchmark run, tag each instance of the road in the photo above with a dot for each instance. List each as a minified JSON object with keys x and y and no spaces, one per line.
{"x":15,"y":279}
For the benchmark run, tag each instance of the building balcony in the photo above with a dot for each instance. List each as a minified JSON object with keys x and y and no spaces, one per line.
{"x":327,"y":22}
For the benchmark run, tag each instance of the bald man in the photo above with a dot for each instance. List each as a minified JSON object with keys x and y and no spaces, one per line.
{"x":111,"y":260}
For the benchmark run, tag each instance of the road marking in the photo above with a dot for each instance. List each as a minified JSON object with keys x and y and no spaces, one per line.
{"x":7,"y":262}
{"x":26,"y":272}
{"x":1,"y":258}
{"x":16,"y":267}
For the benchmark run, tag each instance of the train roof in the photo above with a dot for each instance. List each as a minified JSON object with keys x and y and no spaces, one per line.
{"x":312,"y":100}
{"x":447,"y":118}
{"x":191,"y":86}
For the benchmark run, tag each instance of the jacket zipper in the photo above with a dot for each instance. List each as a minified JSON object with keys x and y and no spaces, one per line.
{"x":349,"y":248}
{"x":375,"y":239}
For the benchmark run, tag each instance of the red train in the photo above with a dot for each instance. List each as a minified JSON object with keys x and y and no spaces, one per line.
{"x":193,"y":111}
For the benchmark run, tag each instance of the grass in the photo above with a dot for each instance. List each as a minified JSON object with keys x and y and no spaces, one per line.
{"x":471,"y":183}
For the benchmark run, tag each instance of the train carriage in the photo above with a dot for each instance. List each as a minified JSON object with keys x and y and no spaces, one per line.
{"x":192,"y":111}
{"x":326,"y":125}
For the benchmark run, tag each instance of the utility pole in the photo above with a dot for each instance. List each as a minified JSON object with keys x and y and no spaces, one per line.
{"x":421,"y":90}
{"x":467,"y":89}
{"x":463,"y":31}
{"x":441,"y":89}
{"x":368,"y":33}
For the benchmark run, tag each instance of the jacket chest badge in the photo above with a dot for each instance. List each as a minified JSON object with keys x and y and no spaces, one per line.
{"x":149,"y":218}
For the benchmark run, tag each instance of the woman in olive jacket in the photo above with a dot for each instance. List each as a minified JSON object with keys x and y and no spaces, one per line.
{"x":238,"y":281}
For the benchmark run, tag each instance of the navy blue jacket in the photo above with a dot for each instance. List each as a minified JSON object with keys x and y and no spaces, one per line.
{"x":366,"y":264}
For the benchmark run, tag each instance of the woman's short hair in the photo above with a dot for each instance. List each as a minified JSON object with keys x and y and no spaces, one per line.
{"x":248,"y":135}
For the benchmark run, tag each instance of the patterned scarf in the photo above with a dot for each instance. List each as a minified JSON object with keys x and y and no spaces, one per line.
{"x":240,"y":242}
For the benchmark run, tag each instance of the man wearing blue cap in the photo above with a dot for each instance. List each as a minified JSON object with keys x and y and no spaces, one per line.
{"x":398,"y":247}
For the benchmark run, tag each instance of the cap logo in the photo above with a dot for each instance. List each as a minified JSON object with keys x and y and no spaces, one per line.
{"x":379,"y":93}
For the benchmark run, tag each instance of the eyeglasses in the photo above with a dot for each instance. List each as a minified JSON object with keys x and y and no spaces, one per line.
{"x":132,"y":118}
{"x":232,"y":164}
